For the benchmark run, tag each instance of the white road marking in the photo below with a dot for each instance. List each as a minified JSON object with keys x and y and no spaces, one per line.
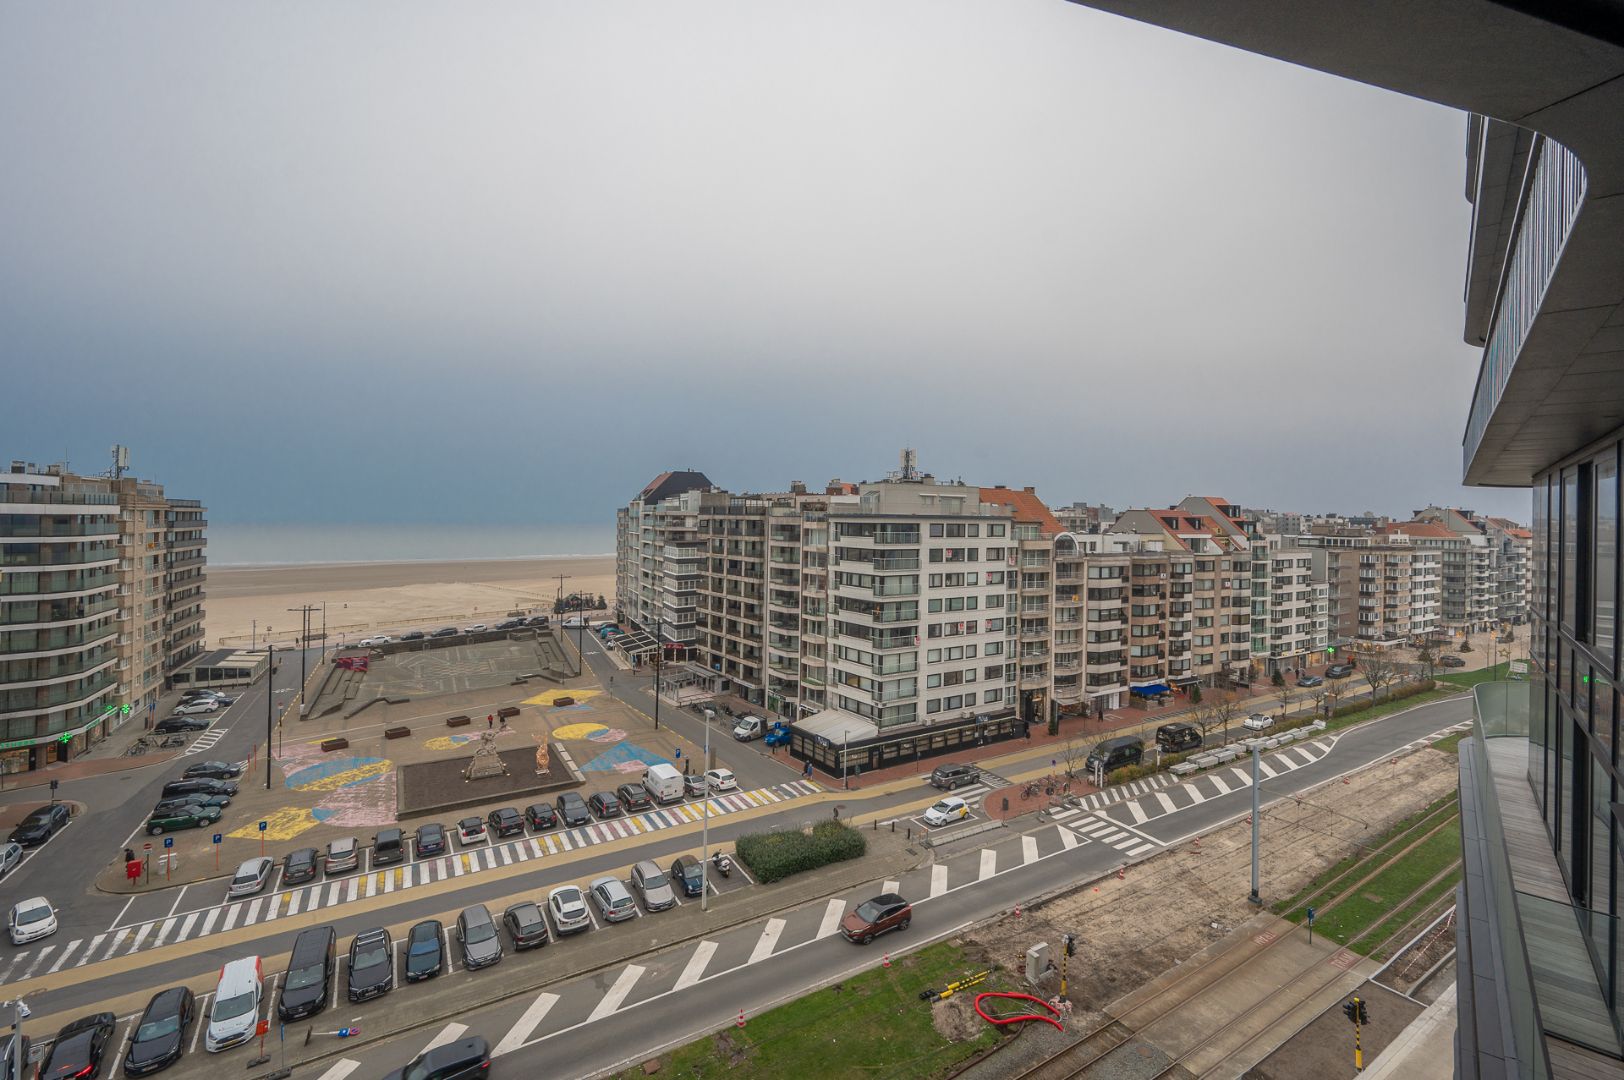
{"x":118,"y":939}
{"x":355,"y":887}
{"x":1029,"y":850}
{"x":768,"y":940}
{"x":209,"y":920}
{"x":938,"y":879}
{"x":341,"y":1068}
{"x":526,"y":1025}
{"x":448,"y":1034}
{"x":1166,"y":803}
{"x":253,"y":910}
{"x":186,"y":925}
{"x":1068,"y":839}
{"x":831,"y":918}
{"x":617,"y":993}
{"x":1136,"y":811}
{"x":90,"y":950}
{"x":989,"y":864}
{"x":176,"y":905}
{"x":695,"y":969}
{"x":67,"y":951}
{"x":38,"y":960}
{"x":891,"y":886}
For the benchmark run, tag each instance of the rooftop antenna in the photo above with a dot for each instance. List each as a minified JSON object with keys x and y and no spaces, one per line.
{"x":910,"y":462}
{"x":121,"y":461}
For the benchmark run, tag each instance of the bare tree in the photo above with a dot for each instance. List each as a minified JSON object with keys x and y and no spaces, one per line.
{"x":1320,"y":694}
{"x":1426,"y":659}
{"x":1205,"y":714}
{"x":1287,"y":694}
{"x":1381,"y":671}
{"x":1071,"y":758}
{"x":1225,"y":709}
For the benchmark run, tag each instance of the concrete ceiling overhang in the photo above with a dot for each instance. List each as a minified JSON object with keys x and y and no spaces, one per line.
{"x":1563,"y":79}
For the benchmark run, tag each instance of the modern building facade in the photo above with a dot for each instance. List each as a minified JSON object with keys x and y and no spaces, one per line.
{"x":101,"y":602}
{"x":1540,"y":966}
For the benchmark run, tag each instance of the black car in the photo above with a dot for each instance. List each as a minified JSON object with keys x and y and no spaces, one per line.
{"x":1451,"y":661}
{"x":78,"y":1049}
{"x":388,"y":847}
{"x":160,"y":1032}
{"x":310,"y":973}
{"x":480,"y":940}
{"x":634,"y":797}
{"x":510,"y":624}
{"x":9,"y":1056}
{"x":537,"y":620}
{"x":1339,"y":671}
{"x":425,"y":951}
{"x":413,"y":635}
{"x":526,"y":925}
{"x":604,"y":804}
{"x":461,"y":1060}
{"x":199,"y":786}
{"x":430,"y":839}
{"x":688,"y":875}
{"x":446,"y":631}
{"x":372,"y":965}
{"x":180,"y":725}
{"x":506,"y":822}
{"x":541,"y":816}
{"x":168,"y":806}
{"x":40,"y":825}
{"x":572,"y":808}
{"x":212,"y":770}
{"x":300,"y":866}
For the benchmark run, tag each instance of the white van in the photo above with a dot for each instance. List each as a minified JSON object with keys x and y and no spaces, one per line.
{"x":663,"y":783}
{"x":234,"y":1014}
{"x":748,"y":727}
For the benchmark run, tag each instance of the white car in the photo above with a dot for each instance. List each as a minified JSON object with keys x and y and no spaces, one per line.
{"x":949,"y":810}
{"x":31,"y":920}
{"x":721,"y":780}
{"x":197,"y":706}
{"x":377,"y":639}
{"x":1258,"y":722}
{"x":568,"y":905}
{"x":471,"y":830}
{"x":477,"y":628}
{"x":234,"y":1015}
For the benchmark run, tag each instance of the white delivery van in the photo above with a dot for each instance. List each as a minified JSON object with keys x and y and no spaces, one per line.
{"x":746,"y":728}
{"x":663,"y":783}
{"x":234,"y":1013}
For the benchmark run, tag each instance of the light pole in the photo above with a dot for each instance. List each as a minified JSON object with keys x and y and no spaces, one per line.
{"x":704,"y":832}
{"x":304,"y":645}
{"x":15,"y":1066}
{"x":270,"y":708}
{"x":659,"y":660}
{"x":1257,"y":818}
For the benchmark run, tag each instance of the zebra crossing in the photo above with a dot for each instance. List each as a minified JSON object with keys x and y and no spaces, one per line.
{"x":184,"y":926}
{"x":1103,"y":830}
{"x":1428,"y":740}
{"x":975,"y":794}
{"x":207,"y":739}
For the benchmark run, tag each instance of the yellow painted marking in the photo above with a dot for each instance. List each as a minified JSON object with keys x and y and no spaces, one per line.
{"x":578,"y":731}
{"x":752,"y":799}
{"x":400,"y":877}
{"x":547,"y":697}
{"x":466,"y":865}
{"x":375,"y":886}
{"x":348,"y":777}
{"x":449,"y":742}
{"x":283,"y":824}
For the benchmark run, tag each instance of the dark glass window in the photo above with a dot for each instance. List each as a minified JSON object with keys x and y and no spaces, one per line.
{"x":1604,"y":554}
{"x":1568,"y":550}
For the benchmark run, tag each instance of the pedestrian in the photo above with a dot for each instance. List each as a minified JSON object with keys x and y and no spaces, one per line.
{"x":490,"y":721}
{"x":129,"y":855}
{"x":504,"y":723}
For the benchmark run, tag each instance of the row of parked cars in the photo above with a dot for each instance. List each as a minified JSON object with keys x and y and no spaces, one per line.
{"x":536,"y":621}
{"x":195,"y":798}
{"x":195,"y":712}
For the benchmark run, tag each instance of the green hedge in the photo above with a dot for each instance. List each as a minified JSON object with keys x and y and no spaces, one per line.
{"x":773,"y":856}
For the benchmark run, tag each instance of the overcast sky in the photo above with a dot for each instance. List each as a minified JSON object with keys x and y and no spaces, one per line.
{"x":427,"y":262}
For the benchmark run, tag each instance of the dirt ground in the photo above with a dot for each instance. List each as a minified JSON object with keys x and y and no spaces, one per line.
{"x":1324,"y":1049}
{"x":1176,"y":904}
{"x":955,"y":1019}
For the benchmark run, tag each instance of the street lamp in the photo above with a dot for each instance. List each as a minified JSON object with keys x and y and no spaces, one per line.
{"x":704,"y":831}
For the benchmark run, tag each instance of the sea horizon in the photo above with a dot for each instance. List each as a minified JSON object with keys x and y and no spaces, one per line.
{"x":246,"y":546}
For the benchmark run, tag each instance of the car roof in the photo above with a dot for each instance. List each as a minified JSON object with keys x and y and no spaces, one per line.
{"x":649,"y":864}
{"x":472,"y":821}
{"x":365,"y":937}
{"x":523,"y":905}
{"x":608,"y":884}
{"x":30,"y":902}
{"x":888,"y":898}
{"x":475,"y":912}
{"x":576,"y":889}
{"x":258,"y":864}
{"x":341,"y":843}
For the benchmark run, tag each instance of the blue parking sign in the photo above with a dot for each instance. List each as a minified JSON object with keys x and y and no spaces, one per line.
{"x":217,"y":838}
{"x":169,"y":841}
{"x":264,"y":825}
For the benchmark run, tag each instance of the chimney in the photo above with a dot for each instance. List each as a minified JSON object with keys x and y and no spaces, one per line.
{"x":1030,"y":490}
{"x":797,"y":487}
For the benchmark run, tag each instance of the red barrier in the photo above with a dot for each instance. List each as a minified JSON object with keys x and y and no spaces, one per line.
{"x":1020,"y":1017}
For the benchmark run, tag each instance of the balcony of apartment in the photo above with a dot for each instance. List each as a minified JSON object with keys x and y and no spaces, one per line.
{"x":894,"y":562}
{"x":1536,"y":994}
{"x":1034,"y":678}
{"x":1068,"y":691}
{"x":814,"y":675}
{"x":908,"y":586}
{"x":19,"y":703}
{"x":1034,"y":631}
{"x":881,"y":641}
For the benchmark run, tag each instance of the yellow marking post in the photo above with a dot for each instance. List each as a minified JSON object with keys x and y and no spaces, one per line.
{"x":400,"y":877}
{"x":377,"y":883}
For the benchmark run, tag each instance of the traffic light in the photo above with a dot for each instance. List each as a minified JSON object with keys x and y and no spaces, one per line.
{"x":1071,"y":945}
{"x":1350,"y":1012}
{"x":1364,"y":1017}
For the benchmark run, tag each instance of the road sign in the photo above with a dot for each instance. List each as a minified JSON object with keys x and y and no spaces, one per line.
{"x":147,"y":846}
{"x":1310,"y":925}
{"x":344,"y":1033}
{"x":264,"y":825}
{"x":218,"y":837}
{"x":169,"y":841}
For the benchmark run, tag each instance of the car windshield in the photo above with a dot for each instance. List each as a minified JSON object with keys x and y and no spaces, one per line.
{"x":38,"y":913}
{"x":232,"y":1007}
{"x":527,"y":918}
{"x":692,"y":871}
{"x":474,"y":933}
{"x":370,"y":956}
{"x":870,"y":911}
{"x":942,"y":807}
{"x":69,"y":1055}
{"x":424,"y":944}
{"x":300,"y":978}
{"x":420,"y":1070}
{"x":157,"y":1029}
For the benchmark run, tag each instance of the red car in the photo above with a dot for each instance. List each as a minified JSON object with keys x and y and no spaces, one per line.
{"x":871,"y":918}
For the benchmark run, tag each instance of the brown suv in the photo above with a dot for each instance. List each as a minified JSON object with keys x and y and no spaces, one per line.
{"x":871,"y":918}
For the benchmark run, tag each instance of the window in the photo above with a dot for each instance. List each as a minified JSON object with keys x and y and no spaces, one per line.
{"x":1569,"y":550}
{"x":993,"y":671}
{"x":936,"y":529}
{"x":989,"y":697}
{"x":995,"y":577}
{"x":996,"y":529}
{"x":1603,"y":574}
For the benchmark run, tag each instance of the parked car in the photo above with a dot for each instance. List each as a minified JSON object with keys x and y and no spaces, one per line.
{"x":526,"y":925}
{"x":430,"y":839}
{"x":343,"y":855}
{"x":445,"y":631}
{"x":197,"y":707}
{"x":1310,"y":680}
{"x":460,"y":1060}
{"x":1178,"y":737}
{"x":1115,"y":753}
{"x":721,"y":780}
{"x":212,"y":770}
{"x":375,"y":639}
{"x":506,"y":821}
{"x":425,"y":954}
{"x":234,"y":1014}
{"x":537,"y":620}
{"x":477,"y":628}
{"x":190,"y":816}
{"x":1258,"y":722}
{"x":299,"y":866}
{"x":203,"y":692}
{"x":388,"y":847}
{"x":614,"y":903}
{"x":568,"y":909}
{"x":573,"y":809}
{"x":695,"y":785}
{"x":169,"y":806}
{"x":510,"y":624}
{"x":471,"y":830}
{"x":1449,"y":661}
{"x":181,"y":725}
{"x":871,"y":918}
{"x":747,"y":727}
{"x":413,"y":635}
{"x":372,"y":965}
{"x":11,"y":856}
{"x":947,"y":811}
{"x":634,"y":797}
{"x":251,"y":877}
{"x":604,"y":804}
{"x":689,"y":875}
{"x":310,"y":973}
{"x":160,"y":1033}
{"x":652,"y":886}
{"x":1339,"y":671}
{"x":476,"y":933}
{"x":78,"y":1048}
{"x":199,"y":786}
{"x":30,"y":920}
{"x":40,"y":824}
{"x":541,"y":816}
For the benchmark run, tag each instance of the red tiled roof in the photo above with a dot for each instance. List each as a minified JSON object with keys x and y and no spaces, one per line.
{"x":1418,"y":528}
{"x":1025,"y":505}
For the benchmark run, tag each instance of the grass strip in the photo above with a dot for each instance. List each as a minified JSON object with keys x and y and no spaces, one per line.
{"x":1377,"y":898}
{"x":1386,"y":707}
{"x":1470,"y":679}
{"x":1394,"y":839}
{"x":871,"y":1025}
{"x":1407,"y":914}
{"x":1450,"y":744}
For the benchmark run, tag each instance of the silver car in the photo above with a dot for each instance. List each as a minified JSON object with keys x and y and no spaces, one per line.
{"x":652,"y":885}
{"x":615,"y":904}
{"x":251,"y":877}
{"x":343,"y":855}
{"x":10,"y":855}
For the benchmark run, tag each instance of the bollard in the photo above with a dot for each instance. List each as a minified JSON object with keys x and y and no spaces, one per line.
{"x":893,"y":824}
{"x":1006,"y":803}
{"x":1017,"y":910}
{"x":740,"y":1024}
{"x":887,"y":961}
{"x":1122,"y":871}
{"x":910,"y":832}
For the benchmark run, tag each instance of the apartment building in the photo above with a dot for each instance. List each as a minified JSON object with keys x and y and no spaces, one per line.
{"x":643,"y":531}
{"x":101,"y":602}
{"x":1290,"y":606}
{"x":1514,"y":573}
{"x":1471,"y":568}
{"x":1381,"y":590}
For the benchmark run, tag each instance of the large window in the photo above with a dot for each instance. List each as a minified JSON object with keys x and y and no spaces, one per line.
{"x":1604,"y":553}
{"x":1567,"y":536}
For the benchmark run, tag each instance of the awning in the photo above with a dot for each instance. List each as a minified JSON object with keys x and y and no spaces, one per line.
{"x":1185,"y":680}
{"x":1149,"y":691}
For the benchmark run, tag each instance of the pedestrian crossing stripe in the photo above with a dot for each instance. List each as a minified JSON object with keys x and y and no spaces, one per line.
{"x":202,"y":922}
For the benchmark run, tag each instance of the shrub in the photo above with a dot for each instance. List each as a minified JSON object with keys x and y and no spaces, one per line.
{"x":773,"y":856}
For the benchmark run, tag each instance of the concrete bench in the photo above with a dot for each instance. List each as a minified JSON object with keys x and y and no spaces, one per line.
{"x":329,"y":745}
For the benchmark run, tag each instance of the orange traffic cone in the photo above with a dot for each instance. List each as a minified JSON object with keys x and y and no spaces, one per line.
{"x":1122,"y":871}
{"x":741,"y":1019}
{"x":1017,"y":911}
{"x":887,"y":961}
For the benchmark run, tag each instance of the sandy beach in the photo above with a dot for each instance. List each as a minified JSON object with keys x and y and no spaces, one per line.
{"x":364,"y":598}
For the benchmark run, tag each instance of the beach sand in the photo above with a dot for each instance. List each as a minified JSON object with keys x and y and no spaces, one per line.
{"x":364,"y":598}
